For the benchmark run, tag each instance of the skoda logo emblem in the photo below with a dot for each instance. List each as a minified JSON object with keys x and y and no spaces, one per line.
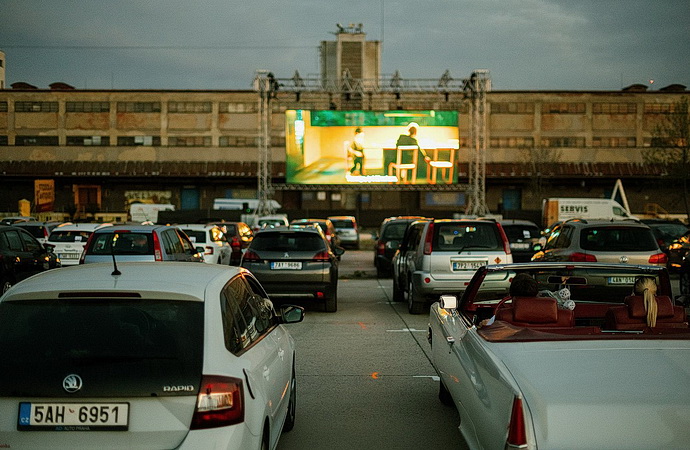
{"x":286,"y":255}
{"x":72,"y":383}
{"x":624,"y":259}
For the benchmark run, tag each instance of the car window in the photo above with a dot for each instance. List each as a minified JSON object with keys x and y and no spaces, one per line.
{"x":125,"y":341}
{"x":343,"y":223}
{"x":458,"y":236}
{"x":30,"y":243}
{"x":69,"y":236}
{"x":14,"y":242}
{"x":564,"y":238}
{"x":185,"y":244}
{"x":245,"y":316}
{"x":36,"y":231}
{"x":616,"y":239}
{"x":394,"y":231}
{"x":515,"y":232}
{"x":121,"y":244}
{"x":287,"y":242}
{"x":198,"y":236}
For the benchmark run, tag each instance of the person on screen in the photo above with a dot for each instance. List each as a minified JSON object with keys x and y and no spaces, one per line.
{"x":356,"y":151}
{"x":410,"y":139}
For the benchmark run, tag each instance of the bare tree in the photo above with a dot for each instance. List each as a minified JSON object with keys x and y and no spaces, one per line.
{"x":540,"y":159}
{"x":670,"y":145}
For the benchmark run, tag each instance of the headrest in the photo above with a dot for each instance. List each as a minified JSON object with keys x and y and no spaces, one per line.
{"x":636,"y":307}
{"x":535,"y":309}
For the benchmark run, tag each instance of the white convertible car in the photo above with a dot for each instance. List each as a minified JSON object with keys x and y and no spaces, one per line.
{"x":575,"y":367}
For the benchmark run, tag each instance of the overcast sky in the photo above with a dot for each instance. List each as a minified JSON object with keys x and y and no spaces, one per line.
{"x":219,"y":44}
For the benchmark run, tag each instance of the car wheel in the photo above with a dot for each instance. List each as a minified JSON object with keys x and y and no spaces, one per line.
{"x":414,"y":304}
{"x":444,"y":395}
{"x":292,"y":404}
{"x":685,"y":283}
{"x":331,"y":303}
{"x":398,"y":294}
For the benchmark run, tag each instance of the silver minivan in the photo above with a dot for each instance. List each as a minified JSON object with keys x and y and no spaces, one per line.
{"x":140,"y":243}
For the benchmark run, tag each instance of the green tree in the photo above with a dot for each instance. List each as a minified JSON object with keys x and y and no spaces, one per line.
{"x":670,"y":145}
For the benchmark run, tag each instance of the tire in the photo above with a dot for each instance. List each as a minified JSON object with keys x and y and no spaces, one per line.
{"x":685,"y":283}
{"x":292,"y":404}
{"x":444,"y":395}
{"x":414,"y":304}
{"x":331,"y":303}
{"x":398,"y":294}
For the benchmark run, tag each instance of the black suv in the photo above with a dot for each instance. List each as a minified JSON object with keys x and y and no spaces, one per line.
{"x":388,"y":240}
{"x":21,"y":256}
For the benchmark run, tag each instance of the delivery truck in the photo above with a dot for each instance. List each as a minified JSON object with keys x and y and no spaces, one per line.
{"x":561,"y":209}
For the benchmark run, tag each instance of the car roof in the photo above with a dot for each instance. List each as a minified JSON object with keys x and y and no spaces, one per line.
{"x":81,"y":227}
{"x":197,"y":226}
{"x":163,"y":280}
{"x":139,"y":228}
{"x":517,"y":222}
{"x":605,"y":222}
{"x":289,"y":228}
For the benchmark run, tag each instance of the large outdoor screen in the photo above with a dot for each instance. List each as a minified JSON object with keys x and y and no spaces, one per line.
{"x":356,"y":147}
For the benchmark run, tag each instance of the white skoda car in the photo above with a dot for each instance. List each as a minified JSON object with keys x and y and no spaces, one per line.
{"x":69,"y":240}
{"x":139,"y":355}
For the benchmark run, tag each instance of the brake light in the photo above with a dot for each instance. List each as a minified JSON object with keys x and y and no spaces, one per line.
{"x":380,"y":248}
{"x":219,"y":403}
{"x":582,"y":257}
{"x":321,"y":256}
{"x":235,"y":242}
{"x":659,"y":258}
{"x":504,"y":238}
{"x":157,"y":254}
{"x":250,"y":256}
{"x":86,"y":247}
{"x":429,"y":239}
{"x":517,"y":435}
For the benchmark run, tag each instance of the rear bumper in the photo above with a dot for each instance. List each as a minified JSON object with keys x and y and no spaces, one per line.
{"x":427,"y":286}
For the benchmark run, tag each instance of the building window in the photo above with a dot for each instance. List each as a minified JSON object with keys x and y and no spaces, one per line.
{"x":129,"y":141}
{"x":189,"y":107}
{"x":610,"y":142}
{"x":3,"y":140}
{"x":3,"y":106}
{"x":659,"y":108}
{"x":570,"y":142}
{"x":563,"y":108}
{"x":511,"y":142}
{"x":36,"y":140}
{"x":139,"y":107}
{"x":226,"y":107}
{"x":189,"y":141}
{"x":87,"y":106}
{"x":36,"y":106}
{"x":512,"y":108}
{"x":88,"y":140}
{"x":238,"y":141}
{"x":614,"y":108}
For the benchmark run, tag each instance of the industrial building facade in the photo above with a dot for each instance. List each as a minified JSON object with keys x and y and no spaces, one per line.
{"x":104,"y":149}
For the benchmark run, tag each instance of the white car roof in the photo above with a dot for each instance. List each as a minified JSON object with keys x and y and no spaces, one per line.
{"x":163,"y":280}
{"x":197,"y":226}
{"x":82,"y":227}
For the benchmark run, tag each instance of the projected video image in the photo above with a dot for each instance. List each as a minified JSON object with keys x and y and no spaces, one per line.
{"x":394,"y":147}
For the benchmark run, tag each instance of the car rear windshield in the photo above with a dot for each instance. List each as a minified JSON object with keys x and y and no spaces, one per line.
{"x":459,"y":236}
{"x":69,"y":236}
{"x":346,"y":223}
{"x":196,"y":235}
{"x":395,"y":231}
{"x":37,"y":231}
{"x":119,"y":347}
{"x":121,"y":244}
{"x":617,"y":239}
{"x":516,"y":232}
{"x":288,"y":242}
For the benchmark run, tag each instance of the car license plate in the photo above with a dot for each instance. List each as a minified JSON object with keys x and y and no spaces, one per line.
{"x":468,"y":265}
{"x":520,"y":245}
{"x":622,"y":280}
{"x":73,"y":416}
{"x":286,"y":265}
{"x":68,"y":255}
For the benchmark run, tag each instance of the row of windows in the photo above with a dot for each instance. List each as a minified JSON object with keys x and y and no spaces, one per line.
{"x":614,"y":108}
{"x":36,"y":106}
{"x":611,"y":142}
{"x":87,"y":106}
{"x":129,"y":141}
{"x":528,"y":142}
{"x":563,"y":142}
{"x":563,"y":108}
{"x":512,"y":108}
{"x":511,"y":142}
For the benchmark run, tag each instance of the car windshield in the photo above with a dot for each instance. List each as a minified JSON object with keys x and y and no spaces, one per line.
{"x":287,"y":242}
{"x":36,"y":230}
{"x":456,"y":236}
{"x":122,"y":244}
{"x":617,"y":239}
{"x":197,"y":236}
{"x":347,"y":223}
{"x":121,"y":342}
{"x":394,"y":230}
{"x":69,"y":236}
{"x":518,"y":232}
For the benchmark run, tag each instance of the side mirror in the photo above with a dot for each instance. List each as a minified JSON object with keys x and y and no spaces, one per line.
{"x":448,"y":302}
{"x":338,"y":251}
{"x":291,"y":313}
{"x":200,"y":250}
{"x":49,"y":247}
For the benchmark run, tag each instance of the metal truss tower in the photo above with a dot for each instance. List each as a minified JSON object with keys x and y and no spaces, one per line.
{"x":472,"y":91}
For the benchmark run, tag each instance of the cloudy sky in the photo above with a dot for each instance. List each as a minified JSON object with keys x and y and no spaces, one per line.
{"x":219,"y":44}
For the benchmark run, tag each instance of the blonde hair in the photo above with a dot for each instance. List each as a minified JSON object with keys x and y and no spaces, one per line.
{"x":646,"y":287}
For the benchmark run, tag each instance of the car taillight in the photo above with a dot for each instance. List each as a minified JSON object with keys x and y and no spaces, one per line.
{"x":86,"y":246}
{"x":250,"y":256}
{"x":517,"y":435}
{"x":380,"y":248}
{"x":157,"y":254}
{"x":235,"y":242}
{"x":321,"y":256}
{"x":659,"y":258}
{"x":504,"y":238}
{"x":429,"y":239}
{"x":219,"y":403}
{"x":582,"y":257}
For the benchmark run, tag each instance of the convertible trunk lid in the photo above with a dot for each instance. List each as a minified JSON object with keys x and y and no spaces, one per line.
{"x":599,"y":394}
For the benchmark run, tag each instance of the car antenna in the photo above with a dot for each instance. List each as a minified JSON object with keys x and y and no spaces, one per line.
{"x":112,"y":253}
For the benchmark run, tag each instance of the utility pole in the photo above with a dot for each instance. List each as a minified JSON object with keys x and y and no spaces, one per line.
{"x":265,"y":84}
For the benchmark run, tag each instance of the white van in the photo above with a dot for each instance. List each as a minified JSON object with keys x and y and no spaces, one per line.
{"x":561,"y":209}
